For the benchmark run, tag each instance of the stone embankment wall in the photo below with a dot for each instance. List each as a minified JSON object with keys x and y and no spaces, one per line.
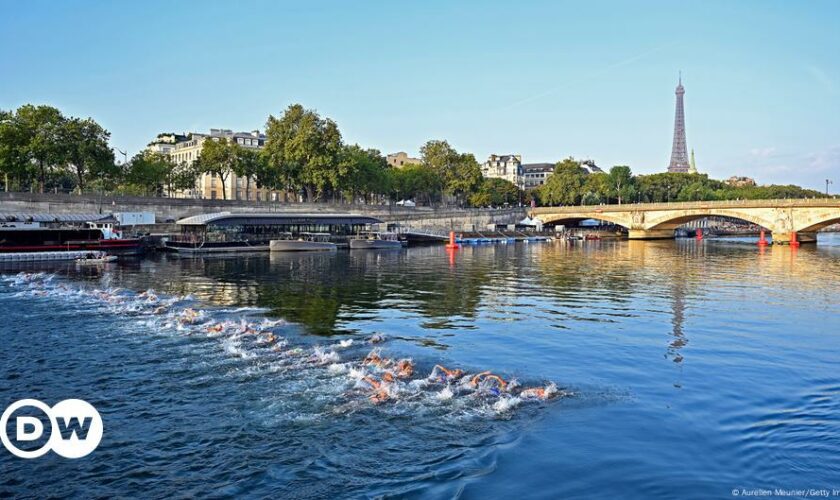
{"x":174,"y":209}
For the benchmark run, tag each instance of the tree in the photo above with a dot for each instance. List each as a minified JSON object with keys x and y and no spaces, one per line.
{"x":218,"y":157}
{"x":179,"y":177}
{"x":148,"y":171}
{"x":495,"y":192}
{"x":13,"y":160}
{"x":248,"y":164}
{"x":596,"y":189}
{"x":362,"y":172}
{"x":460,"y":174}
{"x":564,"y":186}
{"x":303,"y":149}
{"x":85,"y":148}
{"x":419,"y":182}
{"x":39,"y":129}
{"x":621,"y":182}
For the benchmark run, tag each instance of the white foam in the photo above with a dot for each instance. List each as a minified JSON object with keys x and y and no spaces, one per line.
{"x":445,"y":395}
{"x":506,"y":404}
{"x":337,"y":368}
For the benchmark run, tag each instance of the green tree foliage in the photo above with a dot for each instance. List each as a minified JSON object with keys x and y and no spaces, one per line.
{"x":218,"y":157}
{"x":146,"y":173}
{"x":363,"y":172}
{"x":86,"y":150}
{"x":180,"y":176}
{"x":460,"y":174}
{"x":303,"y":150}
{"x":247,"y":164}
{"x":565,"y":185}
{"x":621,"y":183}
{"x":40,"y":129}
{"x":495,"y":192}
{"x":38,"y":144}
{"x":418,"y":182}
{"x":596,"y":189}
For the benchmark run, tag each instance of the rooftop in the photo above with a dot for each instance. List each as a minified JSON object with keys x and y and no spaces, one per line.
{"x":230,"y":219}
{"x":47,"y":217}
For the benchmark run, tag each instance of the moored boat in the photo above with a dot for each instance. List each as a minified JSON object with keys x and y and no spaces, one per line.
{"x":305,"y":242}
{"x":37,"y":233}
{"x":375,"y":241}
{"x":250,"y":232}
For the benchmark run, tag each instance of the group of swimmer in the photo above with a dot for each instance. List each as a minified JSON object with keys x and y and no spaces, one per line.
{"x":390,"y":371}
{"x":379,"y":377}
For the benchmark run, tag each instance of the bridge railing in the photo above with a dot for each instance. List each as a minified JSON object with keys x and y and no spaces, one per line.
{"x":676,"y":205}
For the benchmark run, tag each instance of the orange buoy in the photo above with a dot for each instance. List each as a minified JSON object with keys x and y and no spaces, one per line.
{"x":762,"y":240}
{"x":793,"y":241}
{"x":698,"y":233}
{"x":452,"y":243}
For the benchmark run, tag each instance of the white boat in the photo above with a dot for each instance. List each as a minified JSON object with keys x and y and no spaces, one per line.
{"x":306,"y":242}
{"x":374,"y":241}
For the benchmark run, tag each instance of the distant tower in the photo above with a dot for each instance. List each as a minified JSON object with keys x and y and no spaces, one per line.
{"x":692,"y":169}
{"x":679,"y":151}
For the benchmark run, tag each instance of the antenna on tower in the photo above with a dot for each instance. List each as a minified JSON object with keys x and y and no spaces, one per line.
{"x":680,"y":77}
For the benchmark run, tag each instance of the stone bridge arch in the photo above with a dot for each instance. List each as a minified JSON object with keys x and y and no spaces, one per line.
{"x":672,"y":220}
{"x":617,"y":218}
{"x":813,"y":222}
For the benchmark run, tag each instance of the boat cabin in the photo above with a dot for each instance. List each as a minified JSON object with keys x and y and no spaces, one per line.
{"x":246,"y":231}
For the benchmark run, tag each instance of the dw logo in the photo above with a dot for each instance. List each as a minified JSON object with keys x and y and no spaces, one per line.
{"x":75,"y":428}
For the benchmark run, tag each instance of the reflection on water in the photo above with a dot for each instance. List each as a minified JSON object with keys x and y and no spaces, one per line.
{"x":698,"y":366}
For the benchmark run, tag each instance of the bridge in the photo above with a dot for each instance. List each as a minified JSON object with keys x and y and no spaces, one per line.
{"x":647,"y":221}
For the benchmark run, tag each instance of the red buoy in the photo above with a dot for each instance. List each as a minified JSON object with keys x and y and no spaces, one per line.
{"x":699,"y":233}
{"x":452,"y":243}
{"x":793,"y":241}
{"x":762,"y":240}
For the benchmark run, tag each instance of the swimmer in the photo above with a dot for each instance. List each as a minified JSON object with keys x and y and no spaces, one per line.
{"x":374,"y":359}
{"x":188,"y":316}
{"x":159,"y":310}
{"x":485,"y":378}
{"x":245,"y":328}
{"x":380,"y":393}
{"x":534,"y":393}
{"x":269,"y":339}
{"x":376,"y":338}
{"x":217,"y":328}
{"x":444,"y":375}
{"x":404,"y":368}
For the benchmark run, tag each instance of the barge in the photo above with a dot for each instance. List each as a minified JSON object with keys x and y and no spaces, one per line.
{"x":226,"y":232}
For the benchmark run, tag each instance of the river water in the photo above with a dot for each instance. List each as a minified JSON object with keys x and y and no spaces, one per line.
{"x":683,"y":369}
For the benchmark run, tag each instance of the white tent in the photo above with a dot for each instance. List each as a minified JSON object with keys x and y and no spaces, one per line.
{"x":527,"y":221}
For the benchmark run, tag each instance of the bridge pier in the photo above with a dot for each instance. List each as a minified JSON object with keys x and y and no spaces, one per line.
{"x":783,"y":238}
{"x":650,"y":234}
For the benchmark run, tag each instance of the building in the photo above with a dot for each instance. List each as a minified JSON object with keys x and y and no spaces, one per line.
{"x":502,"y":167}
{"x":738,"y":181}
{"x":590,"y":167}
{"x":165,"y":143}
{"x":401,"y":159}
{"x":532,"y":175}
{"x":679,"y":151}
{"x":526,"y":175}
{"x":184,"y":149}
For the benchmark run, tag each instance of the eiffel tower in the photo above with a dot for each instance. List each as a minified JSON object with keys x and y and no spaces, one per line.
{"x":679,"y":151}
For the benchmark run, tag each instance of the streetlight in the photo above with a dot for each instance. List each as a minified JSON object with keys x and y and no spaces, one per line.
{"x":827,"y":182}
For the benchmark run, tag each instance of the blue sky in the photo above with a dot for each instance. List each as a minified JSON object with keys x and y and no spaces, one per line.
{"x":543,"y":79}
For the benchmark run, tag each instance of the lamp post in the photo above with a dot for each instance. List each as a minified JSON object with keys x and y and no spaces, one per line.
{"x":827,"y":183}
